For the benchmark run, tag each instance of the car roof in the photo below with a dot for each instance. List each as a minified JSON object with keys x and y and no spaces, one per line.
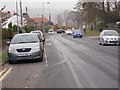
{"x":26,"y":34}
{"x":36,"y":31}
{"x":107,"y":30}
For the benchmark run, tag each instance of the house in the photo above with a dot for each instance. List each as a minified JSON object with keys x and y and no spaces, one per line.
{"x":39,"y":22}
{"x":13,"y":20}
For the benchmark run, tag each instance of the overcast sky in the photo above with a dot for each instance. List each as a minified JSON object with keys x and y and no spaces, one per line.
{"x":35,"y":6}
{"x":54,"y":4}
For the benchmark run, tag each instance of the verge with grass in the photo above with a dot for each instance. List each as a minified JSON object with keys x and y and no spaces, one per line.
{"x":3,"y":57}
{"x":92,"y":33}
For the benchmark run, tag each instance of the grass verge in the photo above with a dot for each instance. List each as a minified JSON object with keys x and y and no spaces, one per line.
{"x":3,"y":57}
{"x":92,"y":33}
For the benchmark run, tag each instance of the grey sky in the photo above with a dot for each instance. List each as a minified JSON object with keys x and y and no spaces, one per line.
{"x":54,"y":4}
{"x":35,"y":6}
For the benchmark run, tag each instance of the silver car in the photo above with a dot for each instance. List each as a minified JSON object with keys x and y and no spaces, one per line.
{"x":109,"y":37}
{"x":25,"y":46}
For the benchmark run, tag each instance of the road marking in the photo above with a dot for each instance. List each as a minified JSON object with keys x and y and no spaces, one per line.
{"x":3,"y":71}
{"x":46,"y":61}
{"x":7,"y":72}
{"x":72,"y":70}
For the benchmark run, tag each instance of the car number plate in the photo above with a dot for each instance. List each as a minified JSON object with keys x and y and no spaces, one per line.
{"x":24,"y":54}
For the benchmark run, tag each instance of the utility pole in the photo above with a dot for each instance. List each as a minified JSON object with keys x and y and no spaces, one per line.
{"x":43,"y":17}
{"x":17,"y":16}
{"x":21,"y":16}
{"x":43,"y":27}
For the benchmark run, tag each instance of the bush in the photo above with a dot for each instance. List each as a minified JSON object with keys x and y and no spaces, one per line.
{"x":15,"y":28}
{"x":10,"y":33}
{"x":29,"y":28}
{"x":7,"y":33}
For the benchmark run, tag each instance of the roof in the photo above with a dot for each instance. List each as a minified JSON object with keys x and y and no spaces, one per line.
{"x":13,"y":19}
{"x":40,"y":19}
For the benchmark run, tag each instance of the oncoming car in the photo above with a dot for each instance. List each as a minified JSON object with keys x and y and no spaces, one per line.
{"x":51,"y":31}
{"x":77,"y":34}
{"x":68,"y":32}
{"x":25,"y":46}
{"x":109,"y":37}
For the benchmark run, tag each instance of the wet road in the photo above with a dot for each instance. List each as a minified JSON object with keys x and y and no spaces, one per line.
{"x":68,"y":63}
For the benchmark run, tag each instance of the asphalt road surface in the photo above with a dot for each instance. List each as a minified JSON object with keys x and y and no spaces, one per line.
{"x":68,"y":63}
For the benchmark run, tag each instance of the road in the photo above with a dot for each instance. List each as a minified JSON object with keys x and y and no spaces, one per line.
{"x":68,"y":63}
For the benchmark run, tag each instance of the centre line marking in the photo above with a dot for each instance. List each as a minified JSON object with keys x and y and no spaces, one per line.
{"x":7,"y":72}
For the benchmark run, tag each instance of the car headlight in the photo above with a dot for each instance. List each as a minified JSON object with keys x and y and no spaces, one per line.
{"x":35,"y":49}
{"x":11,"y":50}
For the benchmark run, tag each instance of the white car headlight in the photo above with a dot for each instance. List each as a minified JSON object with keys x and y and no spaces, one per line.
{"x":11,"y":50}
{"x":35,"y":49}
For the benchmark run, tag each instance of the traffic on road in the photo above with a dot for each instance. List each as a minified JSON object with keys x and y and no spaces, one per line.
{"x":58,"y":46}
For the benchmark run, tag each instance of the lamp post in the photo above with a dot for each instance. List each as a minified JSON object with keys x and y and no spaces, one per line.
{"x":43,"y":28}
{"x":17,"y":16}
{"x":21,"y":16}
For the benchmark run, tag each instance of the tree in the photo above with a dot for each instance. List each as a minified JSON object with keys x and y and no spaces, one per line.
{"x":10,"y":25}
{"x":15,"y":28}
{"x":59,"y":19}
{"x":101,"y":12}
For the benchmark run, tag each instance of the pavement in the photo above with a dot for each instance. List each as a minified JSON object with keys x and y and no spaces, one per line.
{"x":68,"y":63}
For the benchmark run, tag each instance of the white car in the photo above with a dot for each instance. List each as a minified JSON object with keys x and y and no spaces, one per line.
{"x":51,"y":31}
{"x":39,"y":32}
{"x":68,"y":32}
{"x":109,"y":37}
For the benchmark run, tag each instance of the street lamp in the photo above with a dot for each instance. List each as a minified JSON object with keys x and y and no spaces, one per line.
{"x":17,"y":16}
{"x":43,"y":16}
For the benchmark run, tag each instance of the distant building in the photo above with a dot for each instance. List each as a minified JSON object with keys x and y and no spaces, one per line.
{"x":13,"y":20}
{"x":39,"y":22}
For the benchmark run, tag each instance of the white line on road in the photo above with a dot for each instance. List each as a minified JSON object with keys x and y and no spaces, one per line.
{"x":76,"y":78}
{"x":74,"y":74}
{"x":46,"y":61}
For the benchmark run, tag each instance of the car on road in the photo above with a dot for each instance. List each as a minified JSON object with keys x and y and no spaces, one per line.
{"x":68,"y":32}
{"x":109,"y":37}
{"x":26,"y":46}
{"x":39,"y":32}
{"x":60,"y":31}
{"x":51,"y":31}
{"x":77,"y":34}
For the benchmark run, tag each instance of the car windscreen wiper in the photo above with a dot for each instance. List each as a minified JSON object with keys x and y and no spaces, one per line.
{"x":18,"y":42}
{"x":32,"y":42}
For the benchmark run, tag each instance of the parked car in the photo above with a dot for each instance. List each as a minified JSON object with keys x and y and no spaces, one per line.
{"x":39,"y":32}
{"x":109,"y":37}
{"x":51,"y":31}
{"x":60,"y":31}
{"x":26,"y":46}
{"x":68,"y":32}
{"x":77,"y":34}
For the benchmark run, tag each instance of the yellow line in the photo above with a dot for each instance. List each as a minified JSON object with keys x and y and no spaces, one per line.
{"x":5,"y":74}
{"x":2,"y":71}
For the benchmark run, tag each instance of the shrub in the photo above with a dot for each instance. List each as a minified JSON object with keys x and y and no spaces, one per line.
{"x":7,"y":34}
